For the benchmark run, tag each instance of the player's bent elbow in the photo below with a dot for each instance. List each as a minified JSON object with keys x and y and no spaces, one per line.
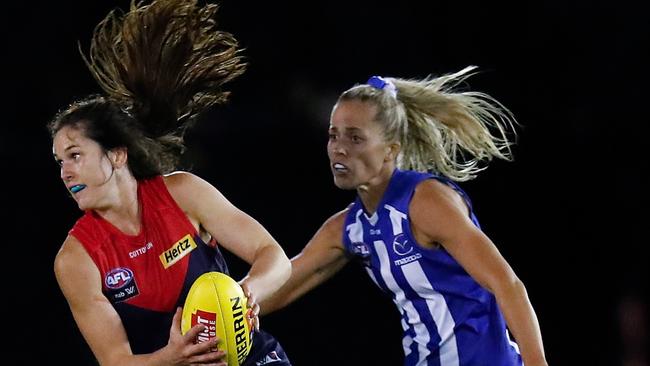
{"x":509,"y":286}
{"x":284,"y":269}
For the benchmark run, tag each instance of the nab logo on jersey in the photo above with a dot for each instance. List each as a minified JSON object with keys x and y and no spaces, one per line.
{"x":120,"y":284}
{"x":401,"y":245}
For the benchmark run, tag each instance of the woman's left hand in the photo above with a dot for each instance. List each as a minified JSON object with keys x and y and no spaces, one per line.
{"x":252,"y":315}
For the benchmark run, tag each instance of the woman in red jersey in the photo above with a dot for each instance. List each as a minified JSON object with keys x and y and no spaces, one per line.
{"x":147,"y":232}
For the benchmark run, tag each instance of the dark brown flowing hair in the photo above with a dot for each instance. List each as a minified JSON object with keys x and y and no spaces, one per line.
{"x":160,"y":65}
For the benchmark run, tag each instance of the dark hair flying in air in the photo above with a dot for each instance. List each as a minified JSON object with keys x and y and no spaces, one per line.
{"x":159,"y":66}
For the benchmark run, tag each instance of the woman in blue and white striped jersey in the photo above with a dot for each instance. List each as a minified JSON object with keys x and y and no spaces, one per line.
{"x":402,"y":145}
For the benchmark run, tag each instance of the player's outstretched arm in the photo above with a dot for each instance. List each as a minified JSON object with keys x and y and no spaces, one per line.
{"x":321,"y":258}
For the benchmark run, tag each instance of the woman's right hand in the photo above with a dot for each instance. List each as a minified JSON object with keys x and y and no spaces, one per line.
{"x":182,"y":349}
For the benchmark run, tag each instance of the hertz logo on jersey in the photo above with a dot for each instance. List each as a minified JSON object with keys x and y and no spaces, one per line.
{"x":177,"y":251}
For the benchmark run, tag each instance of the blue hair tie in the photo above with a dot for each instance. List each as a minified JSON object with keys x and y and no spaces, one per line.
{"x":380,"y":83}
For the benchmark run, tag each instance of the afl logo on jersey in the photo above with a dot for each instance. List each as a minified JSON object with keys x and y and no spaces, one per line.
{"x":401,"y":245}
{"x":360,"y":249}
{"x":120,"y":284}
{"x":118,"y":278}
{"x":362,"y":252}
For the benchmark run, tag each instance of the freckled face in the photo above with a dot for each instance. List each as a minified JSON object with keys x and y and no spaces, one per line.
{"x":84,"y":166}
{"x":356,"y":148}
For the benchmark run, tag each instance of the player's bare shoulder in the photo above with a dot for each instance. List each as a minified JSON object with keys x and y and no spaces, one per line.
{"x":188,"y":189}
{"x":69,"y":255}
{"x":431,"y":194}
{"x":75,"y":271}
{"x":180,"y":182}
{"x":336,"y":221}
{"x":331,"y":231}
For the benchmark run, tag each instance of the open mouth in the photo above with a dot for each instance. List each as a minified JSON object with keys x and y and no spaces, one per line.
{"x":340,"y":168}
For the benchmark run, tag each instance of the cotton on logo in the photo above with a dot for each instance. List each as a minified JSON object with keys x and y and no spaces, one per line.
{"x":118,"y":278}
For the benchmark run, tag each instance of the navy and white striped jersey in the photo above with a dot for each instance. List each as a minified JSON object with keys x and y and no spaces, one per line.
{"x":447,"y":317}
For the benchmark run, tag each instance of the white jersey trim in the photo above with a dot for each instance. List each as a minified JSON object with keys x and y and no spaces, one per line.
{"x":422,"y":335}
{"x":439,"y":311}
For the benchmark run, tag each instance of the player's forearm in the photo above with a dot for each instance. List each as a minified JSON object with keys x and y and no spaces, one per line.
{"x":522,"y":321}
{"x":309,"y":269}
{"x":280,"y":298}
{"x":298,"y":284}
{"x":151,"y":359}
{"x":270,"y":270}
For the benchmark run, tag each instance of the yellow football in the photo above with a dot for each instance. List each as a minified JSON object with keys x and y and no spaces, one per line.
{"x":217,"y":301}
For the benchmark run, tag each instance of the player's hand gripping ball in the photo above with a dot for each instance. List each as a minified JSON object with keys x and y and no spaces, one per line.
{"x":217,"y":301}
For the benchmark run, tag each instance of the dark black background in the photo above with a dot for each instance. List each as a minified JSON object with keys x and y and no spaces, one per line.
{"x":569,"y":214}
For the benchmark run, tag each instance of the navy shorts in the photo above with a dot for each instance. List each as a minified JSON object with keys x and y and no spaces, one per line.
{"x":266,"y":350}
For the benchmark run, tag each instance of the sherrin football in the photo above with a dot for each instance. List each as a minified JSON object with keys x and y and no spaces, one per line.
{"x":217,"y":301}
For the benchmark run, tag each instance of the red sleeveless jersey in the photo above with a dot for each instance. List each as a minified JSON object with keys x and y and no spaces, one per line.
{"x":146,"y":276}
